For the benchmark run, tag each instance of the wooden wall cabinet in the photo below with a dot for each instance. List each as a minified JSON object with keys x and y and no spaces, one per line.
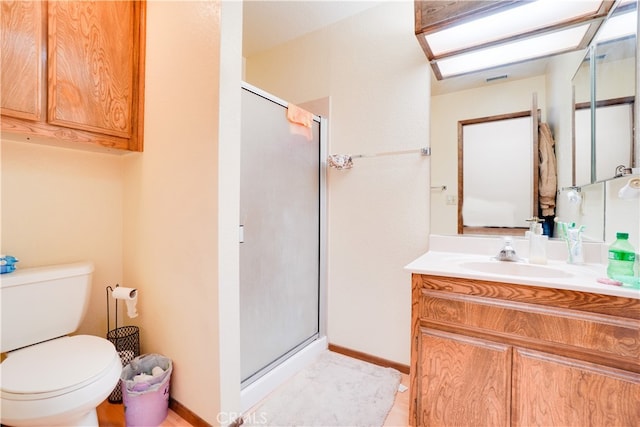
{"x":496,"y":354}
{"x":73,"y":71}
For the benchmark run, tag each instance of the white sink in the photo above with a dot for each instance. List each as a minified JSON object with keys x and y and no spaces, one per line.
{"x":556,"y":274}
{"x":514,"y":269}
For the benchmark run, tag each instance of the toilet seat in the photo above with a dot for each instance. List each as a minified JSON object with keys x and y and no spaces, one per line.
{"x":56,"y":367}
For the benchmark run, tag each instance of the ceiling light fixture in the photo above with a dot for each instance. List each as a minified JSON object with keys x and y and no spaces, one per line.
{"x":513,"y":52}
{"x":461,"y":37}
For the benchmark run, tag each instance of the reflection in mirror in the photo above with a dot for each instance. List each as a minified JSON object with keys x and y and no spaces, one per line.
{"x":620,"y":210}
{"x":613,"y":122}
{"x":581,"y":146}
{"x":604,"y":90}
{"x":509,"y":89}
{"x":496,"y":203}
{"x":615,"y":57}
{"x":589,"y":211}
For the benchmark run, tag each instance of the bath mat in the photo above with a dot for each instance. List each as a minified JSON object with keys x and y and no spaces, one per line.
{"x":334,"y":391}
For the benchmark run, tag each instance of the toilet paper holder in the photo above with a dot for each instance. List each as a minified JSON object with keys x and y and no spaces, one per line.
{"x":126,"y":340}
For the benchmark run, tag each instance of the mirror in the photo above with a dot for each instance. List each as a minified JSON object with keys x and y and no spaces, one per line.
{"x":509,"y":89}
{"x":582,"y":130}
{"x":479,"y":192}
{"x":605,"y":102}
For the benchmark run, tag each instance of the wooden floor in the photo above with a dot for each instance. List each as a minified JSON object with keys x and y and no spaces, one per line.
{"x":112,"y":415}
{"x":399,"y":414}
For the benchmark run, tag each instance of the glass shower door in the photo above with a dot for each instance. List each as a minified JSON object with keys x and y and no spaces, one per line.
{"x":280,"y":235}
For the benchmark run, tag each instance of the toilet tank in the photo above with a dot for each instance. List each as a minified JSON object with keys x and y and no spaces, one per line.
{"x":42,"y":303}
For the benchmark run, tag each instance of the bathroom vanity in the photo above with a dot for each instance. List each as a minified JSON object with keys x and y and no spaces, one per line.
{"x":521,"y":344}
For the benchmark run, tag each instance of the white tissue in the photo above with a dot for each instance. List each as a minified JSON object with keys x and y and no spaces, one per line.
{"x":130,"y":297}
{"x":157,"y":370}
{"x":141,"y":378}
{"x":631,"y":190}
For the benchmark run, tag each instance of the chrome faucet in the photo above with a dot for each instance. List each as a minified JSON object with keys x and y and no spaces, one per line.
{"x":507,"y":253}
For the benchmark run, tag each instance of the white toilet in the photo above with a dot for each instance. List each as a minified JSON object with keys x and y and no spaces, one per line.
{"x":47,"y":377}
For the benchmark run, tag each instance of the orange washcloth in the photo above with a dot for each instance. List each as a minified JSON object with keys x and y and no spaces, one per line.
{"x":300,"y":120}
{"x":297,"y":115}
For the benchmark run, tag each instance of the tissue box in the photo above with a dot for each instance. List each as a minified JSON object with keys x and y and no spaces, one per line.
{"x":7,"y":263}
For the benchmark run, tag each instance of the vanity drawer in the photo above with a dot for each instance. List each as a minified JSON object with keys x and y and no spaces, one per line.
{"x":573,"y":332}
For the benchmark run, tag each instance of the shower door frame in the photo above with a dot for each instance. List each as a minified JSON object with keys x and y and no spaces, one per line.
{"x":322,"y":242}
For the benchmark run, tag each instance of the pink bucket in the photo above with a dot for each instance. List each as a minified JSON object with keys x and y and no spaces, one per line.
{"x":146,"y":404}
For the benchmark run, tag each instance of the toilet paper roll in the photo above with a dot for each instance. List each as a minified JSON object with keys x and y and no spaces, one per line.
{"x":631,"y":190}
{"x":130,"y":297}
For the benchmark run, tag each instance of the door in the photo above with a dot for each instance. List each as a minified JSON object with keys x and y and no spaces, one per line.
{"x":280,"y":235}
{"x":462,"y":380}
{"x":558,"y":391}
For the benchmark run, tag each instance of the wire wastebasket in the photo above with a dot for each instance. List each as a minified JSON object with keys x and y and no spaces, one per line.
{"x":126,"y":340}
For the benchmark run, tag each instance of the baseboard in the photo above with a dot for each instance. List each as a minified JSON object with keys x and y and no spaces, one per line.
{"x":186,"y":414}
{"x":369,"y":358}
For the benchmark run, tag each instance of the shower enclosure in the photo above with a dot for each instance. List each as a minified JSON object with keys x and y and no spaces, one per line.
{"x":281,"y":233}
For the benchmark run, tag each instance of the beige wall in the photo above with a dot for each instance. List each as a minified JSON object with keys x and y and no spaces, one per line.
{"x":170,"y":251}
{"x":177,"y":214}
{"x":228,"y":155}
{"x":372,"y":68}
{"x":61,"y":205}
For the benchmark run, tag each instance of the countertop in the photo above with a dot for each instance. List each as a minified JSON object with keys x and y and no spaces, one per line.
{"x":556,"y":274}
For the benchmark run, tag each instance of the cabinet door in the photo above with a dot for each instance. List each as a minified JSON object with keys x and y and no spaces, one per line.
{"x":23,"y":47}
{"x":557,"y":391}
{"x":91,"y":65}
{"x":462,"y":380}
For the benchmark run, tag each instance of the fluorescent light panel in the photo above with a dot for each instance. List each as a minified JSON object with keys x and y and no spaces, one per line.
{"x":511,"y":22}
{"x":520,"y":50}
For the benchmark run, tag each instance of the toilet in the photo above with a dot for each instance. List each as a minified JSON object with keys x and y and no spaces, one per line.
{"x":48,"y":377}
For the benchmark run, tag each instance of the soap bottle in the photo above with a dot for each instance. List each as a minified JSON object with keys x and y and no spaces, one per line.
{"x":537,"y":244}
{"x":622,"y":257}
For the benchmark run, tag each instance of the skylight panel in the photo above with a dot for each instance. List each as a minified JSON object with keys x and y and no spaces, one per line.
{"x":511,"y":22}
{"x":519,"y":50}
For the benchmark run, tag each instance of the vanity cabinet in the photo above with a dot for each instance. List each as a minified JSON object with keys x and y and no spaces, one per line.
{"x":73,"y":71}
{"x":489,"y":353}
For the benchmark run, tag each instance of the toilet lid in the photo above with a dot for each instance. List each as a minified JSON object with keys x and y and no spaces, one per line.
{"x":55,"y":365}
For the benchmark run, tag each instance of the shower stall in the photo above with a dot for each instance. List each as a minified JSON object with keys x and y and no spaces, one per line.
{"x":282,"y":243}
